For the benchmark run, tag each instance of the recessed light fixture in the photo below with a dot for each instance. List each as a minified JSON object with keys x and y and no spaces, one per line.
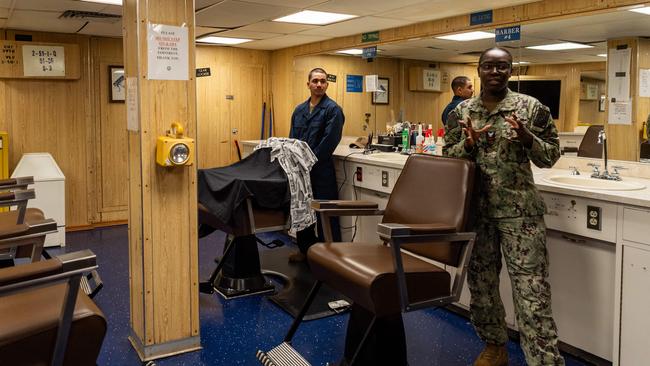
{"x":111,"y":2}
{"x":644,"y":10}
{"x":222,"y":40}
{"x":314,"y":17}
{"x":602,"y":55}
{"x":467,"y":36}
{"x":560,"y":46}
{"x":351,"y":51}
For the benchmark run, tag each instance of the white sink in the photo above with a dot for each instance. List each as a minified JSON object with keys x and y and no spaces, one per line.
{"x":392,"y":157}
{"x":580,"y":181}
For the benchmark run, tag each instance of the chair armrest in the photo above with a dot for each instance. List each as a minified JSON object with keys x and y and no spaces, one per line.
{"x":49,"y":271}
{"x":347,"y":208}
{"x":13,"y":198}
{"x":13,"y":183}
{"x":417,"y":233}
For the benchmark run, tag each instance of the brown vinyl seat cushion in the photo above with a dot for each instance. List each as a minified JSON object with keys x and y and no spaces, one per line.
{"x":29,"y":324}
{"x":364,"y":272}
{"x":9,"y":228}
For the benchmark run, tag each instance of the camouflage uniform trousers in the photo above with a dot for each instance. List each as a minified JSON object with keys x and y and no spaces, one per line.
{"x":523,"y":242}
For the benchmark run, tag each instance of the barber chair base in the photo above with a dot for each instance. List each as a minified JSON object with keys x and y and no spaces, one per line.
{"x":230,"y":288}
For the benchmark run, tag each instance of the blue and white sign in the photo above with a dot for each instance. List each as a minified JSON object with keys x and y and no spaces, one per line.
{"x":369,"y":52}
{"x":507,"y":34}
{"x":481,"y":17}
{"x":354,"y":83}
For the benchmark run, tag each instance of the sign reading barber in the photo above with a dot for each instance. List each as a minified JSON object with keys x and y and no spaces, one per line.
{"x":507,"y":34}
{"x":167,"y":50}
{"x":43,"y":60}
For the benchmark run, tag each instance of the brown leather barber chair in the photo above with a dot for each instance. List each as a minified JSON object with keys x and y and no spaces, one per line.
{"x":426,"y":215}
{"x":23,"y":230}
{"x":45,"y":319}
{"x":589,"y":146}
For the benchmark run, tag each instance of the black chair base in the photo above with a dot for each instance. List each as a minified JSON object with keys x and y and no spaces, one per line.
{"x":230,"y":287}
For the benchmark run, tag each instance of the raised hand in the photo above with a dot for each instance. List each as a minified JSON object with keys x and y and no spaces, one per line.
{"x":524,"y":135}
{"x":471,"y":133}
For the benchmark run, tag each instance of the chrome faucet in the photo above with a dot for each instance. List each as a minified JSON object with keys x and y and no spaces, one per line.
{"x":602,"y":139}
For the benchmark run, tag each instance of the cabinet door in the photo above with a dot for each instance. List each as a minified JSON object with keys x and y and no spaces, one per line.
{"x":635,"y":305}
{"x":582,"y":275}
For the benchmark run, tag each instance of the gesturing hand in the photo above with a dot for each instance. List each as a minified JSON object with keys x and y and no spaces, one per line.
{"x":471,"y":133}
{"x":523,"y":133}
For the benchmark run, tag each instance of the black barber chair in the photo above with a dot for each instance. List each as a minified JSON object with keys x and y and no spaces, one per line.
{"x":242,"y":200}
{"x":383,"y":282}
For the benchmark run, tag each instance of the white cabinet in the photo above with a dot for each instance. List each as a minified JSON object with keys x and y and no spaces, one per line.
{"x":582,"y":279}
{"x":635,"y":307}
{"x":633,"y":295}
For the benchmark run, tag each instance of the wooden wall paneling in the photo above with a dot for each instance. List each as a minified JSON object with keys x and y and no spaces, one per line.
{"x":247,"y":111}
{"x":54,"y":116}
{"x":623,"y":140}
{"x":642,"y":109}
{"x":588,"y":110}
{"x":111,"y":163}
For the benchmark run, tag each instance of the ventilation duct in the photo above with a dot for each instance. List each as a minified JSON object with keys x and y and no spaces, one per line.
{"x":90,"y":16}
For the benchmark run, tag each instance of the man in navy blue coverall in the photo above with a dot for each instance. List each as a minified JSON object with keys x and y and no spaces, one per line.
{"x":319,"y":122}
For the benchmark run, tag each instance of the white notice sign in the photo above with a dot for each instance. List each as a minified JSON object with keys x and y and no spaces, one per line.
{"x":167,"y":49}
{"x":618,"y":74}
{"x":644,"y":82}
{"x":620,"y":113}
{"x":43,"y":60}
{"x":132,"y":121}
{"x":431,"y":79}
{"x":372,"y":83}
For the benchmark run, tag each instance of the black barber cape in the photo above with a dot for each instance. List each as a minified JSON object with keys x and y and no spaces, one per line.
{"x":223,"y":190}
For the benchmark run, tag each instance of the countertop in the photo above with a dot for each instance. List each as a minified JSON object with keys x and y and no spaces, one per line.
{"x":639,"y":197}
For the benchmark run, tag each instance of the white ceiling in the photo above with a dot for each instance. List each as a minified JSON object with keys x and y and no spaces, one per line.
{"x":593,"y":30}
{"x":249,"y":18}
{"x":252,"y":19}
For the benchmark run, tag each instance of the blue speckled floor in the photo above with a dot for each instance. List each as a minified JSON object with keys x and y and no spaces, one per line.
{"x":232,"y":331}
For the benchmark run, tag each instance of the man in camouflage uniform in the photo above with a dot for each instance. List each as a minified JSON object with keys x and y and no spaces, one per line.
{"x":503,"y":131}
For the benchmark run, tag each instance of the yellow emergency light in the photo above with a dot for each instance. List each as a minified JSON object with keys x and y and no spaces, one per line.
{"x":174,"y":149}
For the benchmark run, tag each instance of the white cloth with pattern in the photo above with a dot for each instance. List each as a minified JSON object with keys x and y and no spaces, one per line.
{"x":296,"y":159}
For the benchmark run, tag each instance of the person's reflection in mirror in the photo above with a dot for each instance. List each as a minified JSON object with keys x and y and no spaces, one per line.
{"x":463,"y":89}
{"x":503,"y":131}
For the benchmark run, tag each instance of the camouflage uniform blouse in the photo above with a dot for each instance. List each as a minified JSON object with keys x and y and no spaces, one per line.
{"x":506,"y":184}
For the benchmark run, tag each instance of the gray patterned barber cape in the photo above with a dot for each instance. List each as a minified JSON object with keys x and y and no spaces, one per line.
{"x":296,"y":159}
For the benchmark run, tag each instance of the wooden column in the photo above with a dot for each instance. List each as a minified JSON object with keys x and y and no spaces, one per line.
{"x":624,"y":140}
{"x":163,"y":258}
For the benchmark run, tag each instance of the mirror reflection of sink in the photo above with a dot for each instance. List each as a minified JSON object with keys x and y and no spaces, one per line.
{"x":392,"y":157}
{"x":593,"y":183}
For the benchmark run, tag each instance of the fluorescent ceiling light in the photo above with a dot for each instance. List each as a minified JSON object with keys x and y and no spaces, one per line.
{"x":112,"y":2}
{"x":222,"y":40}
{"x":644,"y":10}
{"x":560,"y":46}
{"x":467,"y":36}
{"x":314,"y":17}
{"x":602,"y":55}
{"x":521,"y":63}
{"x":351,"y":51}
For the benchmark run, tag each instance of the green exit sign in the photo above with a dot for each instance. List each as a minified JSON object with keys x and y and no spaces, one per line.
{"x":370,"y":37}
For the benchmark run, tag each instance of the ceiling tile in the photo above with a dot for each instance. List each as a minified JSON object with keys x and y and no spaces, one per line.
{"x":200,"y":31}
{"x":289,"y":3}
{"x":283,"y":42}
{"x":277,"y":27}
{"x":355,"y":26}
{"x":237,"y":33}
{"x":366,"y":7}
{"x":439,"y":9}
{"x":230,"y":14}
{"x":5,"y":3}
{"x":103,"y":29}
{"x":57,"y":5}
{"x":4,"y":13}
{"x":42,"y":21}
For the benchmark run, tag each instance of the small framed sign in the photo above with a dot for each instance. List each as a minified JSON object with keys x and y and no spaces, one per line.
{"x":117,"y":87}
{"x":381,"y":96}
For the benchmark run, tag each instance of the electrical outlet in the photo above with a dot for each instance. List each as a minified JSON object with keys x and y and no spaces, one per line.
{"x":594,"y":219}
{"x":359,"y":174}
{"x":384,"y":178}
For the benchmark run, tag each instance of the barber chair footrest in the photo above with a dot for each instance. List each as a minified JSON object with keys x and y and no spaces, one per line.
{"x":91,"y":283}
{"x":282,"y":355}
{"x":230,"y":287}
